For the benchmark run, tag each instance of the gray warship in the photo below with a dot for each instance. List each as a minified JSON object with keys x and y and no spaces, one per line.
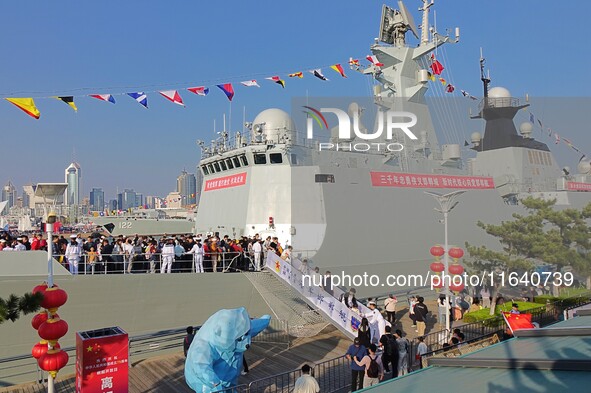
{"x":358,"y":211}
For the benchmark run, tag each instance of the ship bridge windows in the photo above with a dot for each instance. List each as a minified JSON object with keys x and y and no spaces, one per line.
{"x":210,"y":169}
{"x":276,"y":158}
{"x":216,"y":166}
{"x":244,"y":160}
{"x":205,"y":170}
{"x":229,"y":163}
{"x":223,"y":166}
{"x":260,"y":158}
{"x":236,"y":162}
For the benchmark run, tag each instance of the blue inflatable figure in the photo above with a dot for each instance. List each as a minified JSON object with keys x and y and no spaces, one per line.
{"x":214,"y":359}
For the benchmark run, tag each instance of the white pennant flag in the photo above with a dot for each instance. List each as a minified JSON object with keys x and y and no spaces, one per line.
{"x":250,"y":83}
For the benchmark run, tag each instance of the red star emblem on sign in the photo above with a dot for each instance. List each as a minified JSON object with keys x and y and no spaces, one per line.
{"x":277,"y":267}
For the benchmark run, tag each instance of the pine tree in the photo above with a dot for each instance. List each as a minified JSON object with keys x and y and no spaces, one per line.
{"x":14,"y":306}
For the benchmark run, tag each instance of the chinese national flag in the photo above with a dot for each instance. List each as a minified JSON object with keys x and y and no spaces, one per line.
{"x":518,"y":321}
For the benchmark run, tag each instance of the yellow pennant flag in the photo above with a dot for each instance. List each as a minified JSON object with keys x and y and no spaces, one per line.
{"x":27,"y":105}
{"x":68,"y":100}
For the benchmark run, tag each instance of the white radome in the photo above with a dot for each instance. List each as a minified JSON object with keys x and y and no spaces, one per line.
{"x":499,"y":92}
{"x":584,"y":167}
{"x":526,"y":128}
{"x":275,"y":123}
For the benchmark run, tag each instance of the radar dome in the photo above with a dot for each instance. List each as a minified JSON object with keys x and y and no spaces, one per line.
{"x":275,"y":124}
{"x":584,"y":167}
{"x":475,"y":137}
{"x":499,"y":92}
{"x":526,"y":129}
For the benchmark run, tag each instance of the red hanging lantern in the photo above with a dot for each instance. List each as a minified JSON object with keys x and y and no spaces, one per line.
{"x":437,"y":251}
{"x":456,"y":269}
{"x":456,"y":252}
{"x":53,"y":298}
{"x":53,"y":361}
{"x":38,"y":319}
{"x":437,"y":267}
{"x":40,"y":288}
{"x":456,"y":288}
{"x":53,"y":329}
{"x":438,"y":284}
{"x":41,"y":348}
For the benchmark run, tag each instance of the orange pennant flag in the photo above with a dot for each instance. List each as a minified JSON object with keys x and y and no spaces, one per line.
{"x":27,"y":105}
{"x":338,"y":68}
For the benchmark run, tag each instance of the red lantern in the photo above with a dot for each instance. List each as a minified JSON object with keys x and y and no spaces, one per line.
{"x":38,"y":319}
{"x":456,"y":288}
{"x":40,"y":288}
{"x":437,"y":284}
{"x":41,"y":347}
{"x":54,"y":298}
{"x":437,"y":267}
{"x":53,"y":361}
{"x":456,"y":269}
{"x":456,"y":253}
{"x":53,"y":329}
{"x":437,"y":251}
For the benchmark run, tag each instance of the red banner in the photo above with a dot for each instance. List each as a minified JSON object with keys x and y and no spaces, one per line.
{"x":576,"y":186}
{"x":413,"y":180}
{"x":238,"y":179}
{"x":101,"y":361}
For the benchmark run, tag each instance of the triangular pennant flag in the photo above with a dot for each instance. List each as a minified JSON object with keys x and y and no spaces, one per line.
{"x":557,"y":138}
{"x":531,"y":118}
{"x":172,"y":96}
{"x":140,"y":97}
{"x":296,"y":75}
{"x":104,"y":97}
{"x":338,"y":68}
{"x":450,"y":88}
{"x":443,"y":81}
{"x":201,"y":90}
{"x":431,"y":77}
{"x":465,"y":93}
{"x":68,"y":100}
{"x":550,"y":132}
{"x":518,"y":321}
{"x":227,"y":89}
{"x":27,"y":105}
{"x":250,"y":83}
{"x":353,"y":62}
{"x":374,"y":60}
{"x":277,"y":80}
{"x":567,"y":142}
{"x":540,"y":123}
{"x":437,"y":67}
{"x":318,"y":74}
{"x":466,"y":143}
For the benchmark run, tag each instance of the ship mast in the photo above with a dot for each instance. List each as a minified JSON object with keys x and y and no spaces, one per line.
{"x":484,"y":78}
{"x":425,"y":22}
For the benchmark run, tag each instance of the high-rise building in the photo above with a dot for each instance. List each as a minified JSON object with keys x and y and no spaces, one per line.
{"x":9,"y":194}
{"x":199,"y":183}
{"x":150,"y":201}
{"x":73,"y":176}
{"x":139,"y":199}
{"x":97,"y":199}
{"x":186,"y":186}
{"x":126,"y":199}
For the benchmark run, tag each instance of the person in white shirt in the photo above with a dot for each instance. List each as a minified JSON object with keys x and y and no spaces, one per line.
{"x":73,"y":252}
{"x":306,"y":383}
{"x":422,"y":349}
{"x":167,"y":256}
{"x":19,"y":245}
{"x":128,"y":252}
{"x":257,"y":249}
{"x":377,"y":324}
{"x":198,"y":253}
{"x":390,"y":306}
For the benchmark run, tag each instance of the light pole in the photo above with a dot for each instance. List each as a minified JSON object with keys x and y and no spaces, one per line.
{"x":446,"y":203}
{"x":51,"y":219}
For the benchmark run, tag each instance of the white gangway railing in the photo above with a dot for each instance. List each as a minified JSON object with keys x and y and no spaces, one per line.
{"x":293,"y":273}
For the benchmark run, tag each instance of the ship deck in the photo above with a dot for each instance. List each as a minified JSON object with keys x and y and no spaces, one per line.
{"x":166,"y":373}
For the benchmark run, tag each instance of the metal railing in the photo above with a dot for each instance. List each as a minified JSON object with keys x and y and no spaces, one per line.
{"x":140,"y":347}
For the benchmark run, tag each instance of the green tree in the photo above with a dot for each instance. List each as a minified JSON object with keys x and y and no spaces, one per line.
{"x":14,"y":306}
{"x":558,"y":237}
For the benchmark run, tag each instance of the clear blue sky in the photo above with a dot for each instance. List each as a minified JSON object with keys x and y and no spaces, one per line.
{"x":57,"y":48}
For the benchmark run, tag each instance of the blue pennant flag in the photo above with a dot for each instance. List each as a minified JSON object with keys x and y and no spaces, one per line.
{"x":140,"y":97}
{"x":531,"y":118}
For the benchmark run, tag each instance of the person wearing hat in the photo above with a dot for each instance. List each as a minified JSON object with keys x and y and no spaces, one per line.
{"x":73,"y":252}
{"x":515,"y":308}
{"x":2,"y":244}
{"x":377,"y":323}
{"x":356,"y":352}
{"x":167,"y":256}
{"x":198,"y":252}
{"x":20,"y":245}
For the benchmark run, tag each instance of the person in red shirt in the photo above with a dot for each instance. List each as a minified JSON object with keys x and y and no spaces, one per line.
{"x":35,"y":243}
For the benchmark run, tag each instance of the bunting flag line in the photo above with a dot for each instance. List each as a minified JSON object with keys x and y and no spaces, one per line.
{"x":104,"y":97}
{"x":443,"y":81}
{"x":540,"y":123}
{"x":338,"y":68}
{"x":436,"y":66}
{"x":567,"y":142}
{"x":531,"y":118}
{"x":228,"y":90}
{"x":296,"y":75}
{"x":250,"y":83}
{"x":450,"y":88}
{"x":557,"y":138}
{"x":140,"y":97}
{"x":201,"y":90}
{"x":318,"y":74}
{"x":277,"y":80}
{"x":431,"y":77}
{"x":173,"y":96}
{"x":68,"y":100}
{"x":374,"y":60}
{"x":550,"y":132}
{"x":27,"y":105}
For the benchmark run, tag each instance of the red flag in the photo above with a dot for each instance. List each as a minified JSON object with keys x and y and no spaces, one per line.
{"x":518,"y":321}
{"x":437,"y":67}
{"x":450,"y":88}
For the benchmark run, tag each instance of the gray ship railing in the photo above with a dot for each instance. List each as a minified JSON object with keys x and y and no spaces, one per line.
{"x":18,"y":368}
